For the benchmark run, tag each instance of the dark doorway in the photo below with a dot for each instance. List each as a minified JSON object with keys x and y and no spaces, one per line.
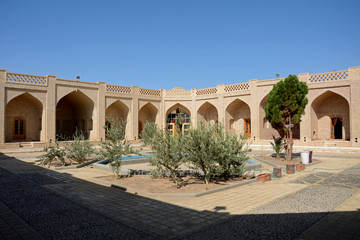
{"x":336,"y":128}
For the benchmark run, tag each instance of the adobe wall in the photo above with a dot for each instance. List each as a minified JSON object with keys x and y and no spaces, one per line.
{"x":52,"y":105}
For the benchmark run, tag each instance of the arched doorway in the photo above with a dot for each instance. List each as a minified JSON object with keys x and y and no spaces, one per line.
{"x":178,"y":121}
{"x":23,"y":119}
{"x":330,"y":118}
{"x":237,"y":118}
{"x":74,"y":112}
{"x":207,"y":113}
{"x":336,"y":128}
{"x":148,"y":113}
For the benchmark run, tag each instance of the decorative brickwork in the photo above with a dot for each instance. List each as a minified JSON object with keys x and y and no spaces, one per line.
{"x":149,"y":92}
{"x":118,"y":89}
{"x":237,"y":87}
{"x":331,"y":76}
{"x":206,"y":91}
{"x":178,"y":91}
{"x":26,"y":79}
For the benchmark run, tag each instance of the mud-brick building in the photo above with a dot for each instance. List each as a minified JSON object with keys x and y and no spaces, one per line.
{"x":35,"y":109}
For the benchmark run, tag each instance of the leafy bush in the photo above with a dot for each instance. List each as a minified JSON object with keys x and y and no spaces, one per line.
{"x":169,"y":152}
{"x":79,"y":149}
{"x":277,"y":146}
{"x":115,"y":145}
{"x":232,"y":154}
{"x":215,"y":152}
{"x":52,"y":153}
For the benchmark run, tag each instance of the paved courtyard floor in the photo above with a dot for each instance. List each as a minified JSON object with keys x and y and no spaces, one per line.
{"x":322,"y":202}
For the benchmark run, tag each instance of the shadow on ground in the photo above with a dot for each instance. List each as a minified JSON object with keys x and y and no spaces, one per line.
{"x":59,"y":206}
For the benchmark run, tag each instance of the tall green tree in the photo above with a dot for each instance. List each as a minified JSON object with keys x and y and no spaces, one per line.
{"x":285,"y":105}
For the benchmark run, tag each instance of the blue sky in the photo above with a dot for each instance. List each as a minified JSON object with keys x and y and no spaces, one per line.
{"x":188,"y":43}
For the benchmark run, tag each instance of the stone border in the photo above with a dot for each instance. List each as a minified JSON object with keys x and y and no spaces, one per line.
{"x":72,"y":167}
{"x":179,"y":195}
{"x":315,"y":161}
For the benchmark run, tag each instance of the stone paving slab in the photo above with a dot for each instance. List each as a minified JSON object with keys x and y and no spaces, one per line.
{"x":13,"y":227}
{"x":171,"y":217}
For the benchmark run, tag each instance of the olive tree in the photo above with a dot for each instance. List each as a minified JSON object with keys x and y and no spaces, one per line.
{"x":115,"y":145}
{"x":285,"y":105}
{"x":169,"y":151}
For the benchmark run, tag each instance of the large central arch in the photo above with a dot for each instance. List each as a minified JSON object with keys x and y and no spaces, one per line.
{"x":237,"y":115}
{"x":23,"y":119}
{"x":172,"y":119}
{"x":74,"y":112}
{"x":330,"y":118}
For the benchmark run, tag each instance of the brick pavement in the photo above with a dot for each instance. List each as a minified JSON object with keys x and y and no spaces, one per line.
{"x":166,"y":217}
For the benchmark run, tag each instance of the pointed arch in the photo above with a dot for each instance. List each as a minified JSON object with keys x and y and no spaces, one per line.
{"x":24,"y":119}
{"x":178,"y":106}
{"x":236,"y":115}
{"x":325,"y":112}
{"x":148,"y":113}
{"x":74,"y":111}
{"x":207,"y":113}
{"x":119,"y":111}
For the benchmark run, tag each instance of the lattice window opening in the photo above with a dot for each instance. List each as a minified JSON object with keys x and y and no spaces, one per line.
{"x":329,"y":77}
{"x":118,"y":89}
{"x":206,"y":91}
{"x":27,"y":79}
{"x":237,"y":87}
{"x":178,"y":93}
{"x":149,"y":92}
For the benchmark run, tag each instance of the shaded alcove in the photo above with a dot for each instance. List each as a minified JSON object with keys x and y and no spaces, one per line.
{"x":207,"y":113}
{"x":148,"y":113}
{"x":118,"y":111}
{"x":237,"y":118}
{"x":23,"y":119}
{"x":330,"y":118}
{"x":74,"y":112}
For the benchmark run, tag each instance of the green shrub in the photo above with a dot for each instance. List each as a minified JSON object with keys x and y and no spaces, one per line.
{"x":115,"y":145}
{"x":52,"y":153}
{"x":215,"y":152}
{"x":277,"y":146}
{"x":79,"y":149}
{"x":169,"y":152}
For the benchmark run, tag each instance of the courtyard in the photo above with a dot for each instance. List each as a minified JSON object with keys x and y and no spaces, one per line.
{"x":321,"y":202}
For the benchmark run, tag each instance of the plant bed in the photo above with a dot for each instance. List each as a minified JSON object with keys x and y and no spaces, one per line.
{"x":147,"y":185}
{"x":58,"y":165}
{"x":281,"y":162}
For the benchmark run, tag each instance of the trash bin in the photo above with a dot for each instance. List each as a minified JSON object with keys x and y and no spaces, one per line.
{"x":305,"y":157}
{"x":310,"y":157}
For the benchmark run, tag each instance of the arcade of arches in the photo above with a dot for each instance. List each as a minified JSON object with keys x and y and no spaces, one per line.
{"x":37,"y":109}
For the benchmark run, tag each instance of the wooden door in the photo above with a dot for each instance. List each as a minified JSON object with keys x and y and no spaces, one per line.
{"x":19,"y":129}
{"x":247,"y":127}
